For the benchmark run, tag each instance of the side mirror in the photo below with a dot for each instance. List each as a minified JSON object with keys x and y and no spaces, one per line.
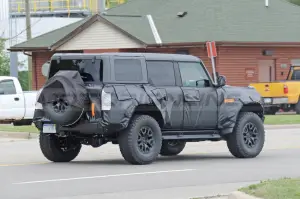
{"x":221,"y":80}
{"x":202,"y":83}
{"x":1,"y":91}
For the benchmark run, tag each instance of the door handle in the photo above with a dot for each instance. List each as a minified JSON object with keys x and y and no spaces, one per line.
{"x":16,"y":99}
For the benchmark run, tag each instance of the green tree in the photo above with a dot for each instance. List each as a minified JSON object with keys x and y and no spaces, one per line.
{"x":5,"y":65}
{"x":4,"y":59}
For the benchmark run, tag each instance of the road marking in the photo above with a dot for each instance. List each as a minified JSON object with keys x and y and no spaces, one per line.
{"x":22,"y":164}
{"x":104,"y":176}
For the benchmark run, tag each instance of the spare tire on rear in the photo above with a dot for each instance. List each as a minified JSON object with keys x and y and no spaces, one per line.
{"x":64,"y":98}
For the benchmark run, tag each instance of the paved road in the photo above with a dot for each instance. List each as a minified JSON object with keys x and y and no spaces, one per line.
{"x":202,"y":169}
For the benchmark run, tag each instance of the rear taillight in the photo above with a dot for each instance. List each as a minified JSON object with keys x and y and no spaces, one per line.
{"x":285,"y":89}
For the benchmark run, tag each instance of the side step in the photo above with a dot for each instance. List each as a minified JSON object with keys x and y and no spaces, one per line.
{"x":192,"y":135}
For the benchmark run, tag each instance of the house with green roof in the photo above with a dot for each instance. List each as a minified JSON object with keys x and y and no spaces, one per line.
{"x":256,"y":40}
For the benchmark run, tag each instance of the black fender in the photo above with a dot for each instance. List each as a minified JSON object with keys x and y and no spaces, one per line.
{"x":125,"y":100}
{"x":233,"y":100}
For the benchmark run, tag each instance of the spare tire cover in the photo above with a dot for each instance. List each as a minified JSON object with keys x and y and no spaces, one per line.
{"x":64,"y":97}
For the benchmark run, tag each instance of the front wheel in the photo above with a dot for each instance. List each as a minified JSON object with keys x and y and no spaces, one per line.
{"x":141,"y":142}
{"x":59,"y":149}
{"x":248,"y":137}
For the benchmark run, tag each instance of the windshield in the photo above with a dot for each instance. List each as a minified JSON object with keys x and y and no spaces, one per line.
{"x":89,"y":70}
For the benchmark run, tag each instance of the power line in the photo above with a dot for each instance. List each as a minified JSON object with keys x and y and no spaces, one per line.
{"x":30,"y":26}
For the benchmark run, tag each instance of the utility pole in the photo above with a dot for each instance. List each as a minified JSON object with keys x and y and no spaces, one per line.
{"x":28,"y":33}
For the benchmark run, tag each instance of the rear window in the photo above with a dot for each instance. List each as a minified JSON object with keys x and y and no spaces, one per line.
{"x":128,"y":70}
{"x":89,"y":71}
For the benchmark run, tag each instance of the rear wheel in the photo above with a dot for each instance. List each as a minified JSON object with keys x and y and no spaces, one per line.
{"x":141,"y":142}
{"x":59,"y":149}
{"x":248,"y":136}
{"x":172,"y":147}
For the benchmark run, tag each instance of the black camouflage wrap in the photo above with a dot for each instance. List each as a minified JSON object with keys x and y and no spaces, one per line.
{"x":126,"y":98}
{"x":202,"y":108}
{"x":228,"y":112}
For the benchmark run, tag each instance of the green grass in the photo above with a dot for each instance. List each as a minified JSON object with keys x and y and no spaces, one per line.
{"x":284,"y":188}
{"x":282,"y":119}
{"x":11,"y":128}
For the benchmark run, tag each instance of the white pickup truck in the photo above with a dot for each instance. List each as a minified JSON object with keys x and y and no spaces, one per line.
{"x":16,"y":106}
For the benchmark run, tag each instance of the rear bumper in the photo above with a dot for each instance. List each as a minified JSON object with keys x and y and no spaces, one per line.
{"x":85,"y":127}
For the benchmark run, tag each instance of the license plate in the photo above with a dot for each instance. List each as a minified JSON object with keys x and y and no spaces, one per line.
{"x":267,"y":100}
{"x":49,"y":128}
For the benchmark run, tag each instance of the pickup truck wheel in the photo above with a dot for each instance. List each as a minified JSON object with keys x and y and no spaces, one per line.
{"x":248,"y":136}
{"x":141,"y":142}
{"x":59,"y":149}
{"x":172,"y":147}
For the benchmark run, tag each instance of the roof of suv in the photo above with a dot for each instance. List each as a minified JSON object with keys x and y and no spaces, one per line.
{"x":147,"y":56}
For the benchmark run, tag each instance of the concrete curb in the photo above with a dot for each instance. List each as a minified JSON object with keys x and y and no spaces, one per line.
{"x":240,"y":195}
{"x":18,"y":135}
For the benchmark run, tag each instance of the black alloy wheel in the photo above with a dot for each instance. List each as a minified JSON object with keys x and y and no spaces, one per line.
{"x":145,"y":140}
{"x":250,"y":135}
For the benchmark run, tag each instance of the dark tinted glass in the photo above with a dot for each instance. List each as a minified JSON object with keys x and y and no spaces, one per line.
{"x":128,"y":70}
{"x":89,"y":72}
{"x":161,"y":73}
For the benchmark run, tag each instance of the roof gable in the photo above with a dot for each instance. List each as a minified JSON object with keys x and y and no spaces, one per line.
{"x":100,"y":35}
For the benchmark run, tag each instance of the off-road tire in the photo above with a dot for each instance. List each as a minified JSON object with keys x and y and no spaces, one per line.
{"x":235,"y":140}
{"x":51,"y":150}
{"x":128,"y":140}
{"x":169,"y":149}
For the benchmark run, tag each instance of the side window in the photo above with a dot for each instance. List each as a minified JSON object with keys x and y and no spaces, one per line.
{"x":128,"y":70}
{"x":161,"y":73}
{"x":193,"y":74}
{"x":8,"y":87}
